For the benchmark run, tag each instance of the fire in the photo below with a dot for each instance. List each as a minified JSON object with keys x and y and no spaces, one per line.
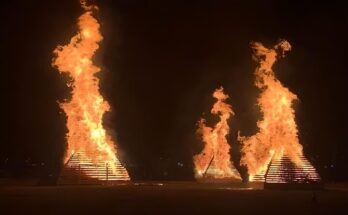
{"x":86,"y":135}
{"x":278,"y":133}
{"x":215,"y":155}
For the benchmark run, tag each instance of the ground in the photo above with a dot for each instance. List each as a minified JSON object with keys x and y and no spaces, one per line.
{"x":170,"y":198}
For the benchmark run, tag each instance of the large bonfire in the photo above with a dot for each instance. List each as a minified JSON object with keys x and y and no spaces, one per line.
{"x":86,"y":134}
{"x":278,"y":133}
{"x":215,"y":161}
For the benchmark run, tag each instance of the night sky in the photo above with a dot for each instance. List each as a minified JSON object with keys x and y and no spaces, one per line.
{"x":161,"y":61}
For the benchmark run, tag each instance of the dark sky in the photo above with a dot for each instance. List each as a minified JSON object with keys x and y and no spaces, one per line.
{"x":161,"y":62}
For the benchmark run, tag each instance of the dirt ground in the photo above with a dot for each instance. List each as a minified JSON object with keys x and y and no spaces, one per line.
{"x":171,"y":198}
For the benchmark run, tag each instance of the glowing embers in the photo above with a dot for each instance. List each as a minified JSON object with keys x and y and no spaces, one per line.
{"x":260,"y":177}
{"x":214,"y":162}
{"x":80,"y":169}
{"x":283,"y":170}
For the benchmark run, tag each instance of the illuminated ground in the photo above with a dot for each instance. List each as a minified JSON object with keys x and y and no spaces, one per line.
{"x":172,"y":198}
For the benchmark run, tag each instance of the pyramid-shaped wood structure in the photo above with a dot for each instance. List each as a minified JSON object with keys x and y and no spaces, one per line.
{"x":282,"y":173}
{"x":283,"y":170}
{"x":79,"y":169}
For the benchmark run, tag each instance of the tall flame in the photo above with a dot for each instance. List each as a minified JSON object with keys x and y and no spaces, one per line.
{"x":86,"y":108}
{"x":215,"y":154}
{"x":278,"y":132}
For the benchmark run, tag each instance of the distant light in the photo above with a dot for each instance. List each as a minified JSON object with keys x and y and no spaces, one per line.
{"x":236,"y":188}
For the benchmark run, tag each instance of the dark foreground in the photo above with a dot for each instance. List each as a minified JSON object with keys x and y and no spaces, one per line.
{"x":170,"y":198}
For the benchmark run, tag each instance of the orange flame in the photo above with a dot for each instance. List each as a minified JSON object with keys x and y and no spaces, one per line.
{"x":86,"y":108}
{"x":215,"y":155}
{"x":277,"y":134}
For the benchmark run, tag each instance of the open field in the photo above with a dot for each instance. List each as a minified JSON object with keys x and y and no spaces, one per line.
{"x":171,"y":198}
